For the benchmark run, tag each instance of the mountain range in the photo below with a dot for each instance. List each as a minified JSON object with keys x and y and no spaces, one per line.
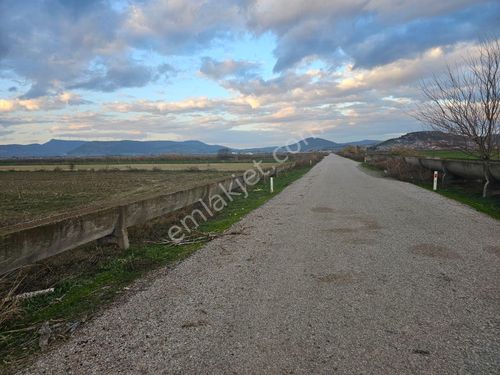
{"x":63,"y":148}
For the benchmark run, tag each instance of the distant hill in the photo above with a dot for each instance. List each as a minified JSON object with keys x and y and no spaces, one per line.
{"x":138,"y":148}
{"x":363,"y":143}
{"x":61,"y":148}
{"x":423,"y":140}
{"x":53,"y":147}
{"x":313,"y":144}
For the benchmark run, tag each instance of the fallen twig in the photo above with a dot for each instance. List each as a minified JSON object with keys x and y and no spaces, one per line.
{"x":200,"y":237}
{"x":27,"y":295}
{"x":9,"y":306}
{"x":31,"y":328}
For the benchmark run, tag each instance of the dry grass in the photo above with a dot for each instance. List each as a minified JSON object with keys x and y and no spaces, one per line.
{"x":399,"y":169}
{"x":227,"y":167}
{"x":353,"y":152}
{"x":28,"y":196}
{"x":9,"y":306}
{"x":306,"y":159}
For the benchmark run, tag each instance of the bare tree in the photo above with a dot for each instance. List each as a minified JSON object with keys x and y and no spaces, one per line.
{"x":466,"y":102}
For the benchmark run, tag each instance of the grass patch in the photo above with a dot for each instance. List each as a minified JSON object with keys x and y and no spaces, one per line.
{"x":371,"y":167}
{"x":82,"y":294}
{"x":466,"y":192}
{"x":452,"y":154}
{"x":471,"y":195}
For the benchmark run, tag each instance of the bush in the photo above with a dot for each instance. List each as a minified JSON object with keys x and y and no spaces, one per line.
{"x":353,"y":152}
{"x":306,"y":159}
{"x":398,"y":168}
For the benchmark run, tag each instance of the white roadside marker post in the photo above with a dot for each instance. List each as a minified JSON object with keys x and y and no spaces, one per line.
{"x":272,"y":184}
{"x":435,"y":185}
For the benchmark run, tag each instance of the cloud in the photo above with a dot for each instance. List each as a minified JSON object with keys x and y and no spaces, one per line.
{"x":337,"y":103}
{"x":3,"y":45}
{"x":222,"y":69}
{"x":371,"y":33}
{"x":177,"y":26}
{"x":50,"y":43}
{"x":45,"y":103}
{"x":159,"y":107}
{"x":58,"y":45}
{"x":339,"y":66}
{"x":110,"y":135}
{"x":116,"y":75}
{"x":3,"y":133}
{"x":403,"y":11}
{"x":411,"y":39}
{"x":166,"y":70}
{"x":192,"y":106}
{"x":68,"y":44}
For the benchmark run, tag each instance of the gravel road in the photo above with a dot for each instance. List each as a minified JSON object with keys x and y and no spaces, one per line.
{"x":343,"y":272}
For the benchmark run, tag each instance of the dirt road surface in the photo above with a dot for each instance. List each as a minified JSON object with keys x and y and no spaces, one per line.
{"x":343,"y":272}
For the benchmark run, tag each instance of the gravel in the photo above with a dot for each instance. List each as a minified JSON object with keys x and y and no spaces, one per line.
{"x":342,"y":272}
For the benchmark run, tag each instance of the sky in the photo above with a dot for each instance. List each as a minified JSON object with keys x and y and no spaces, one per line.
{"x":240,"y":73}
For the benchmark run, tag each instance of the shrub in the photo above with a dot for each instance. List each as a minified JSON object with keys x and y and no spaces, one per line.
{"x":353,"y":152}
{"x":398,"y":168}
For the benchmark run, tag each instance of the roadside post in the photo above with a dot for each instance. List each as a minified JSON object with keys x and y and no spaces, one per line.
{"x":272,"y":184}
{"x":435,"y":184}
